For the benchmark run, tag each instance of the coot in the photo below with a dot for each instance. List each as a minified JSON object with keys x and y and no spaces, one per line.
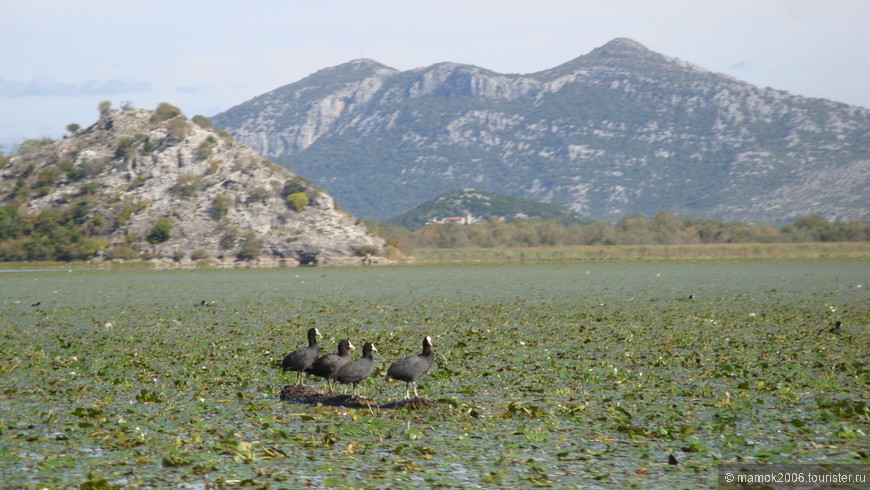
{"x":357,"y":370}
{"x":327,"y":365}
{"x":302,"y":359}
{"x":411,"y":368}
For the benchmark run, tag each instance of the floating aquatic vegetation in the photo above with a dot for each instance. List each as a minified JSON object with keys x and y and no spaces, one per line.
{"x":561,"y":375}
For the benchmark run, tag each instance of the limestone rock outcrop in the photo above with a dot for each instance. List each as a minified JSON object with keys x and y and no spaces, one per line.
{"x":172,"y":189}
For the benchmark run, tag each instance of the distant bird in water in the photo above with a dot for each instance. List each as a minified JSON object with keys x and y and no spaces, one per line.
{"x":411,"y":368}
{"x":326,"y":366}
{"x":357,"y":370}
{"x":302,"y":359}
{"x":36,"y":304}
{"x":836,"y":328}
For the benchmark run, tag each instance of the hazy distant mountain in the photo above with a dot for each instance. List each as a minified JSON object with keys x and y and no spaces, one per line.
{"x":619,"y":130}
{"x":156,"y":184}
{"x":471,"y":205}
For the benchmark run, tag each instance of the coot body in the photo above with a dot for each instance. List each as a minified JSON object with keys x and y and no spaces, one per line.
{"x":411,"y":368}
{"x":302,"y":359}
{"x":327,"y":366}
{"x":359,"y":369}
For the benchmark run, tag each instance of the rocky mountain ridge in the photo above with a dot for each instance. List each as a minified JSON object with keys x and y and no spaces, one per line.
{"x":619,"y":130}
{"x":160,"y":185}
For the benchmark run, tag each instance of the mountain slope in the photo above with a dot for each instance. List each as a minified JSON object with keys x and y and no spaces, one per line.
{"x":619,"y":130}
{"x":164,"y":186}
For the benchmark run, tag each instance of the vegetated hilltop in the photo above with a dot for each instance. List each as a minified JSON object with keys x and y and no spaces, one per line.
{"x":472,"y":206}
{"x":152,"y":184}
{"x":616,"y":131}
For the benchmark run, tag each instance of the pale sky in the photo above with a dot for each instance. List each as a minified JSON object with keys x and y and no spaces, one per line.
{"x":60,"y":58}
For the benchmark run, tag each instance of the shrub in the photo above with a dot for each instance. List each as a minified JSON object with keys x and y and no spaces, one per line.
{"x":204,"y":149}
{"x":124,"y":216}
{"x":229,"y":239}
{"x":160,"y":232}
{"x":367,"y":250}
{"x":221,"y":205}
{"x":250,"y":248}
{"x":69,"y":168}
{"x":202,"y":121}
{"x":178,"y":129}
{"x":21,"y":191}
{"x":298,"y":200}
{"x":13,"y":250}
{"x":198,"y":255}
{"x":122,"y":252}
{"x":296,"y":184}
{"x":47,"y":177}
{"x":93,"y":245}
{"x":97,"y":225}
{"x":124,"y":144}
{"x":164,"y":112}
{"x":31,"y":145}
{"x":187,"y":185}
{"x":73,"y":128}
{"x":259,"y":194}
{"x":104,"y":107}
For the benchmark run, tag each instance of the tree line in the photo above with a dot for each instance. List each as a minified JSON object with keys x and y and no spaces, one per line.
{"x":68,"y":234}
{"x":664,"y":228}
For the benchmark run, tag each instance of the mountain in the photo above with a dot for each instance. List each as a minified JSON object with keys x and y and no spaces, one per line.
{"x":155,"y":184}
{"x":473,"y":206}
{"x":619,"y":130}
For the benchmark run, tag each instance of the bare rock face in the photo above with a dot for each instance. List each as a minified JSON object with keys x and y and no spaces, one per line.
{"x":619,"y":130}
{"x":175,"y":190}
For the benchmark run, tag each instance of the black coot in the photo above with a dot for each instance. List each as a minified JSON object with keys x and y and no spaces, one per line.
{"x":357,"y":370}
{"x":411,"y":368}
{"x":302,"y":359}
{"x":327,"y":365}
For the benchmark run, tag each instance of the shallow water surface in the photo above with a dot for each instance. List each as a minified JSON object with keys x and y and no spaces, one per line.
{"x":587,"y":374}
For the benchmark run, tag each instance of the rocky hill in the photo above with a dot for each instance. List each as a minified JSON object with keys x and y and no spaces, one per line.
{"x":619,"y":130}
{"x":469,"y":206}
{"x":155,"y":184}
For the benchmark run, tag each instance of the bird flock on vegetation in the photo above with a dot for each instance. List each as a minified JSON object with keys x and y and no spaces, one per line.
{"x":342,"y":369}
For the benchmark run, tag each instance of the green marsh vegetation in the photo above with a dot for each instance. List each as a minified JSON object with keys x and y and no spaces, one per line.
{"x":583,"y":373}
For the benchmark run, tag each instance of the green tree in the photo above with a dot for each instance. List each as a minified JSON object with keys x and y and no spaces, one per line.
{"x":10,"y":223}
{"x":161,"y":231}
